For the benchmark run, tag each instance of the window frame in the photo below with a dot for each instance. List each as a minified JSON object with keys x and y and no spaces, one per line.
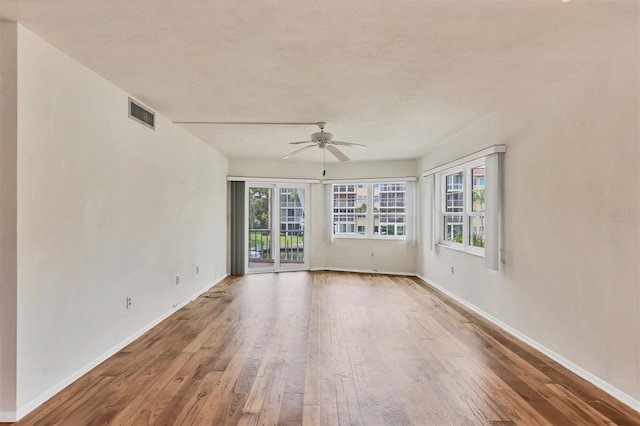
{"x":467,"y":211}
{"x":369,"y":215}
{"x":442,"y":213}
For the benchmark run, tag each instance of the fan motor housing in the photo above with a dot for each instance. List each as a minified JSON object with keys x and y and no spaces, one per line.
{"x":322,"y":137}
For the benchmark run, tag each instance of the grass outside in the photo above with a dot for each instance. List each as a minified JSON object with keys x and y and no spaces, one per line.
{"x":256,"y":239}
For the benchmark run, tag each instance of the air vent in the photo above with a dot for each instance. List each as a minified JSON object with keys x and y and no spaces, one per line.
{"x":141,"y":114}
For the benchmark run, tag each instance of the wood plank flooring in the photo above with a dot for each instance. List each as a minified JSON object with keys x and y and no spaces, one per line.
{"x":325,"y":348}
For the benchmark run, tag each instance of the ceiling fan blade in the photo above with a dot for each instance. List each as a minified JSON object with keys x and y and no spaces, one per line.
{"x":296,"y":143}
{"x":291,"y":154}
{"x":357,"y":145}
{"x":337,"y":153}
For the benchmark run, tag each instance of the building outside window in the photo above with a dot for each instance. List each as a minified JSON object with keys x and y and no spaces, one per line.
{"x":374,"y":210}
{"x":291,"y":212}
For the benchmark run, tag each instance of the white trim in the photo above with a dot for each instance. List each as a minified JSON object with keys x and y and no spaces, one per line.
{"x":8,"y":417}
{"x":270,"y":180}
{"x":371,"y":180}
{"x":493,"y":230}
{"x":325,"y":181}
{"x":42,"y":398}
{"x":476,"y":155}
{"x":618,"y":394}
{"x":459,"y":249}
{"x":364,"y":271}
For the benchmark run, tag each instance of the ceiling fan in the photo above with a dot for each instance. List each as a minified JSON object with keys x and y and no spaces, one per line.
{"x":324,"y":140}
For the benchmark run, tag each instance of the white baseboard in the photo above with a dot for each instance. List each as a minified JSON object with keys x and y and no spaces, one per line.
{"x":33,"y":404}
{"x":364,"y":271}
{"x":8,"y":417}
{"x":576,"y":369}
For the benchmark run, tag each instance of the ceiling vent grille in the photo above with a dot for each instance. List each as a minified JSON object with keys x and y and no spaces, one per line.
{"x":141,"y":114}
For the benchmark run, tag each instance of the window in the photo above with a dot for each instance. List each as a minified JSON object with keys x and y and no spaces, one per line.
{"x":375,"y":210}
{"x":389,"y":208}
{"x":349,"y":209}
{"x":463,"y":205}
{"x":462,"y":211}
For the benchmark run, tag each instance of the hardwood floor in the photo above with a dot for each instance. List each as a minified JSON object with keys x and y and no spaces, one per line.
{"x":329,"y":348}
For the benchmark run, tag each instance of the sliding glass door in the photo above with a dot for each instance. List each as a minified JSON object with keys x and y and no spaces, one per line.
{"x":260,"y":222}
{"x":292,"y":221}
{"x":276,"y":225}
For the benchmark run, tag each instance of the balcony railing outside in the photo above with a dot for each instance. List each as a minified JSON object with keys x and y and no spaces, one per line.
{"x":291,"y":246}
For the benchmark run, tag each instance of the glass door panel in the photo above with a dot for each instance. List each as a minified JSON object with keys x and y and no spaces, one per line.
{"x":292,"y":228}
{"x":261,"y":244}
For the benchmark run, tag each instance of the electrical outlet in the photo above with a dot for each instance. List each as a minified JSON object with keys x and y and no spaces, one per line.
{"x":197,"y":270}
{"x":452,"y":270}
{"x":128,"y":302}
{"x":371,"y":254}
{"x":177,"y":279}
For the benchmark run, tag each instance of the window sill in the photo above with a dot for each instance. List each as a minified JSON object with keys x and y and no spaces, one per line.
{"x":461,"y":250}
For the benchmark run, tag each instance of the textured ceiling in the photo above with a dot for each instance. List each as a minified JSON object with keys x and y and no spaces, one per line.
{"x":398,"y":76}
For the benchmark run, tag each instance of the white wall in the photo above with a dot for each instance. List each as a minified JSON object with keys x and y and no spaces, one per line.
{"x":8,"y":233}
{"x":352,"y":254}
{"x":571,"y":280}
{"x":107,"y":208}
